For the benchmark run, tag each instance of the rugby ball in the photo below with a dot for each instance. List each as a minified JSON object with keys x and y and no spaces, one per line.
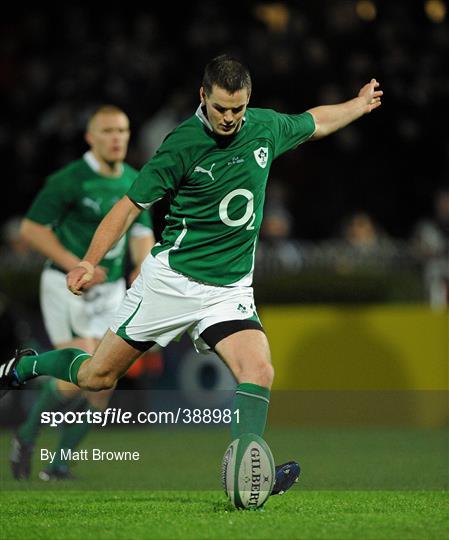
{"x":248,"y":471}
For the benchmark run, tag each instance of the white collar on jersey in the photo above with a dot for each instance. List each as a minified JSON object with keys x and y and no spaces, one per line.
{"x":203,"y":118}
{"x":93,"y":163}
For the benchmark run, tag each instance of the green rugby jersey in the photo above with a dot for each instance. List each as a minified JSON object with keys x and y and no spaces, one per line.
{"x":217,"y":190}
{"x":73,"y":202}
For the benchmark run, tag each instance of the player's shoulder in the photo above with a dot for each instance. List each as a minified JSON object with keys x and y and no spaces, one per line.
{"x":275,"y":122}
{"x":267,"y":116}
{"x":261,"y":119}
{"x":129,"y":171}
{"x":76,"y":169}
{"x":188,"y":131}
{"x":262,"y":115}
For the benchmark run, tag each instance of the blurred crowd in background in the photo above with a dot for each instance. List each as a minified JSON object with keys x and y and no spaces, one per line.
{"x":375,"y":193}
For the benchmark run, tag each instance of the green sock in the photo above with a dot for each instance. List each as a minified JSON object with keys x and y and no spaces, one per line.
{"x":251,"y":401}
{"x":61,"y":363}
{"x":71,"y":436}
{"x":49,"y":399}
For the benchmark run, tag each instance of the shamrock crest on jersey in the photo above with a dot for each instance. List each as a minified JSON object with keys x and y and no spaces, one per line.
{"x":261,"y":155}
{"x":199,"y":169}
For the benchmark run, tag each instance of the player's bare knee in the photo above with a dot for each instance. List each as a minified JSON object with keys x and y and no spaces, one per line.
{"x":266,"y":374}
{"x":97,"y":381}
{"x":261,"y":373}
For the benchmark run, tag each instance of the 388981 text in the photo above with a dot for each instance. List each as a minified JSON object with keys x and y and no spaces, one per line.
{"x":209,"y":416}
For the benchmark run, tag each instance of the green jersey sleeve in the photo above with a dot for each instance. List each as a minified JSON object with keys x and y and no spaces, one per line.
{"x":291,"y":130}
{"x":161,"y":175}
{"x":52,"y":201}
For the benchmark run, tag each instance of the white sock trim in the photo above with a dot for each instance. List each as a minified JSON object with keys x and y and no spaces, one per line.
{"x":71,"y":364}
{"x":252,"y":395}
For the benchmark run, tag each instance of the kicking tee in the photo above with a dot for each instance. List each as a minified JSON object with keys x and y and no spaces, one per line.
{"x":216,"y":187}
{"x":73,"y":202}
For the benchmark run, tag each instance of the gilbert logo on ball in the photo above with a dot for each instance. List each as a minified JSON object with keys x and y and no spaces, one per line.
{"x":248,"y":471}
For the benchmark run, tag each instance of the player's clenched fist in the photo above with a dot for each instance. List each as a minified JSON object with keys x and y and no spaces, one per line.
{"x":84,"y":276}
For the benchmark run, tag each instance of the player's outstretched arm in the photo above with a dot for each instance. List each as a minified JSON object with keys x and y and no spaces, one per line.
{"x":113,"y":226}
{"x":330,"y":118}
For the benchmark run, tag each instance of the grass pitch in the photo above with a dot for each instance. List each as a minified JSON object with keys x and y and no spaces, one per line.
{"x":357,"y":483}
{"x":194,"y":515}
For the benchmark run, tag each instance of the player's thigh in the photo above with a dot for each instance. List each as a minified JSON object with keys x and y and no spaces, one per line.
{"x":225,"y":311}
{"x":244,"y":350}
{"x":229,"y":324}
{"x":158,"y":308}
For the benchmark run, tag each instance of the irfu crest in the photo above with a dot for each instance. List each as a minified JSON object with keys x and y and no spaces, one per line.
{"x":261,"y":155}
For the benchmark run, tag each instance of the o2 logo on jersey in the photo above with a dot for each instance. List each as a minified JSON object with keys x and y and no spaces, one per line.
{"x":261,"y":155}
{"x":248,"y":216}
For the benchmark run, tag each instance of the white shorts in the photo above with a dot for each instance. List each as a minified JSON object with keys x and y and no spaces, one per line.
{"x":162,"y":304}
{"x":67,"y":316}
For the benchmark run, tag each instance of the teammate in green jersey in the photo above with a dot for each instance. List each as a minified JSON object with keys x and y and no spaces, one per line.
{"x":214,"y":167}
{"x":60,"y":225}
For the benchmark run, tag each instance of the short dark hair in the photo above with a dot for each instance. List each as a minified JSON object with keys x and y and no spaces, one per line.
{"x":228,"y":73}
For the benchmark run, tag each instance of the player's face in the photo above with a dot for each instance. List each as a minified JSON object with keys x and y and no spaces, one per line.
{"x":225,"y":111}
{"x":108,"y":136}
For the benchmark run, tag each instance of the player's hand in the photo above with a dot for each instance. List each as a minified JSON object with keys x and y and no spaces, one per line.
{"x":100,"y":275}
{"x":371,"y":95}
{"x":84,"y":276}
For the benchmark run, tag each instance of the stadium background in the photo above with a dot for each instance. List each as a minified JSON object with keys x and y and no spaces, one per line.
{"x":57,"y":64}
{"x":361,"y":356}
